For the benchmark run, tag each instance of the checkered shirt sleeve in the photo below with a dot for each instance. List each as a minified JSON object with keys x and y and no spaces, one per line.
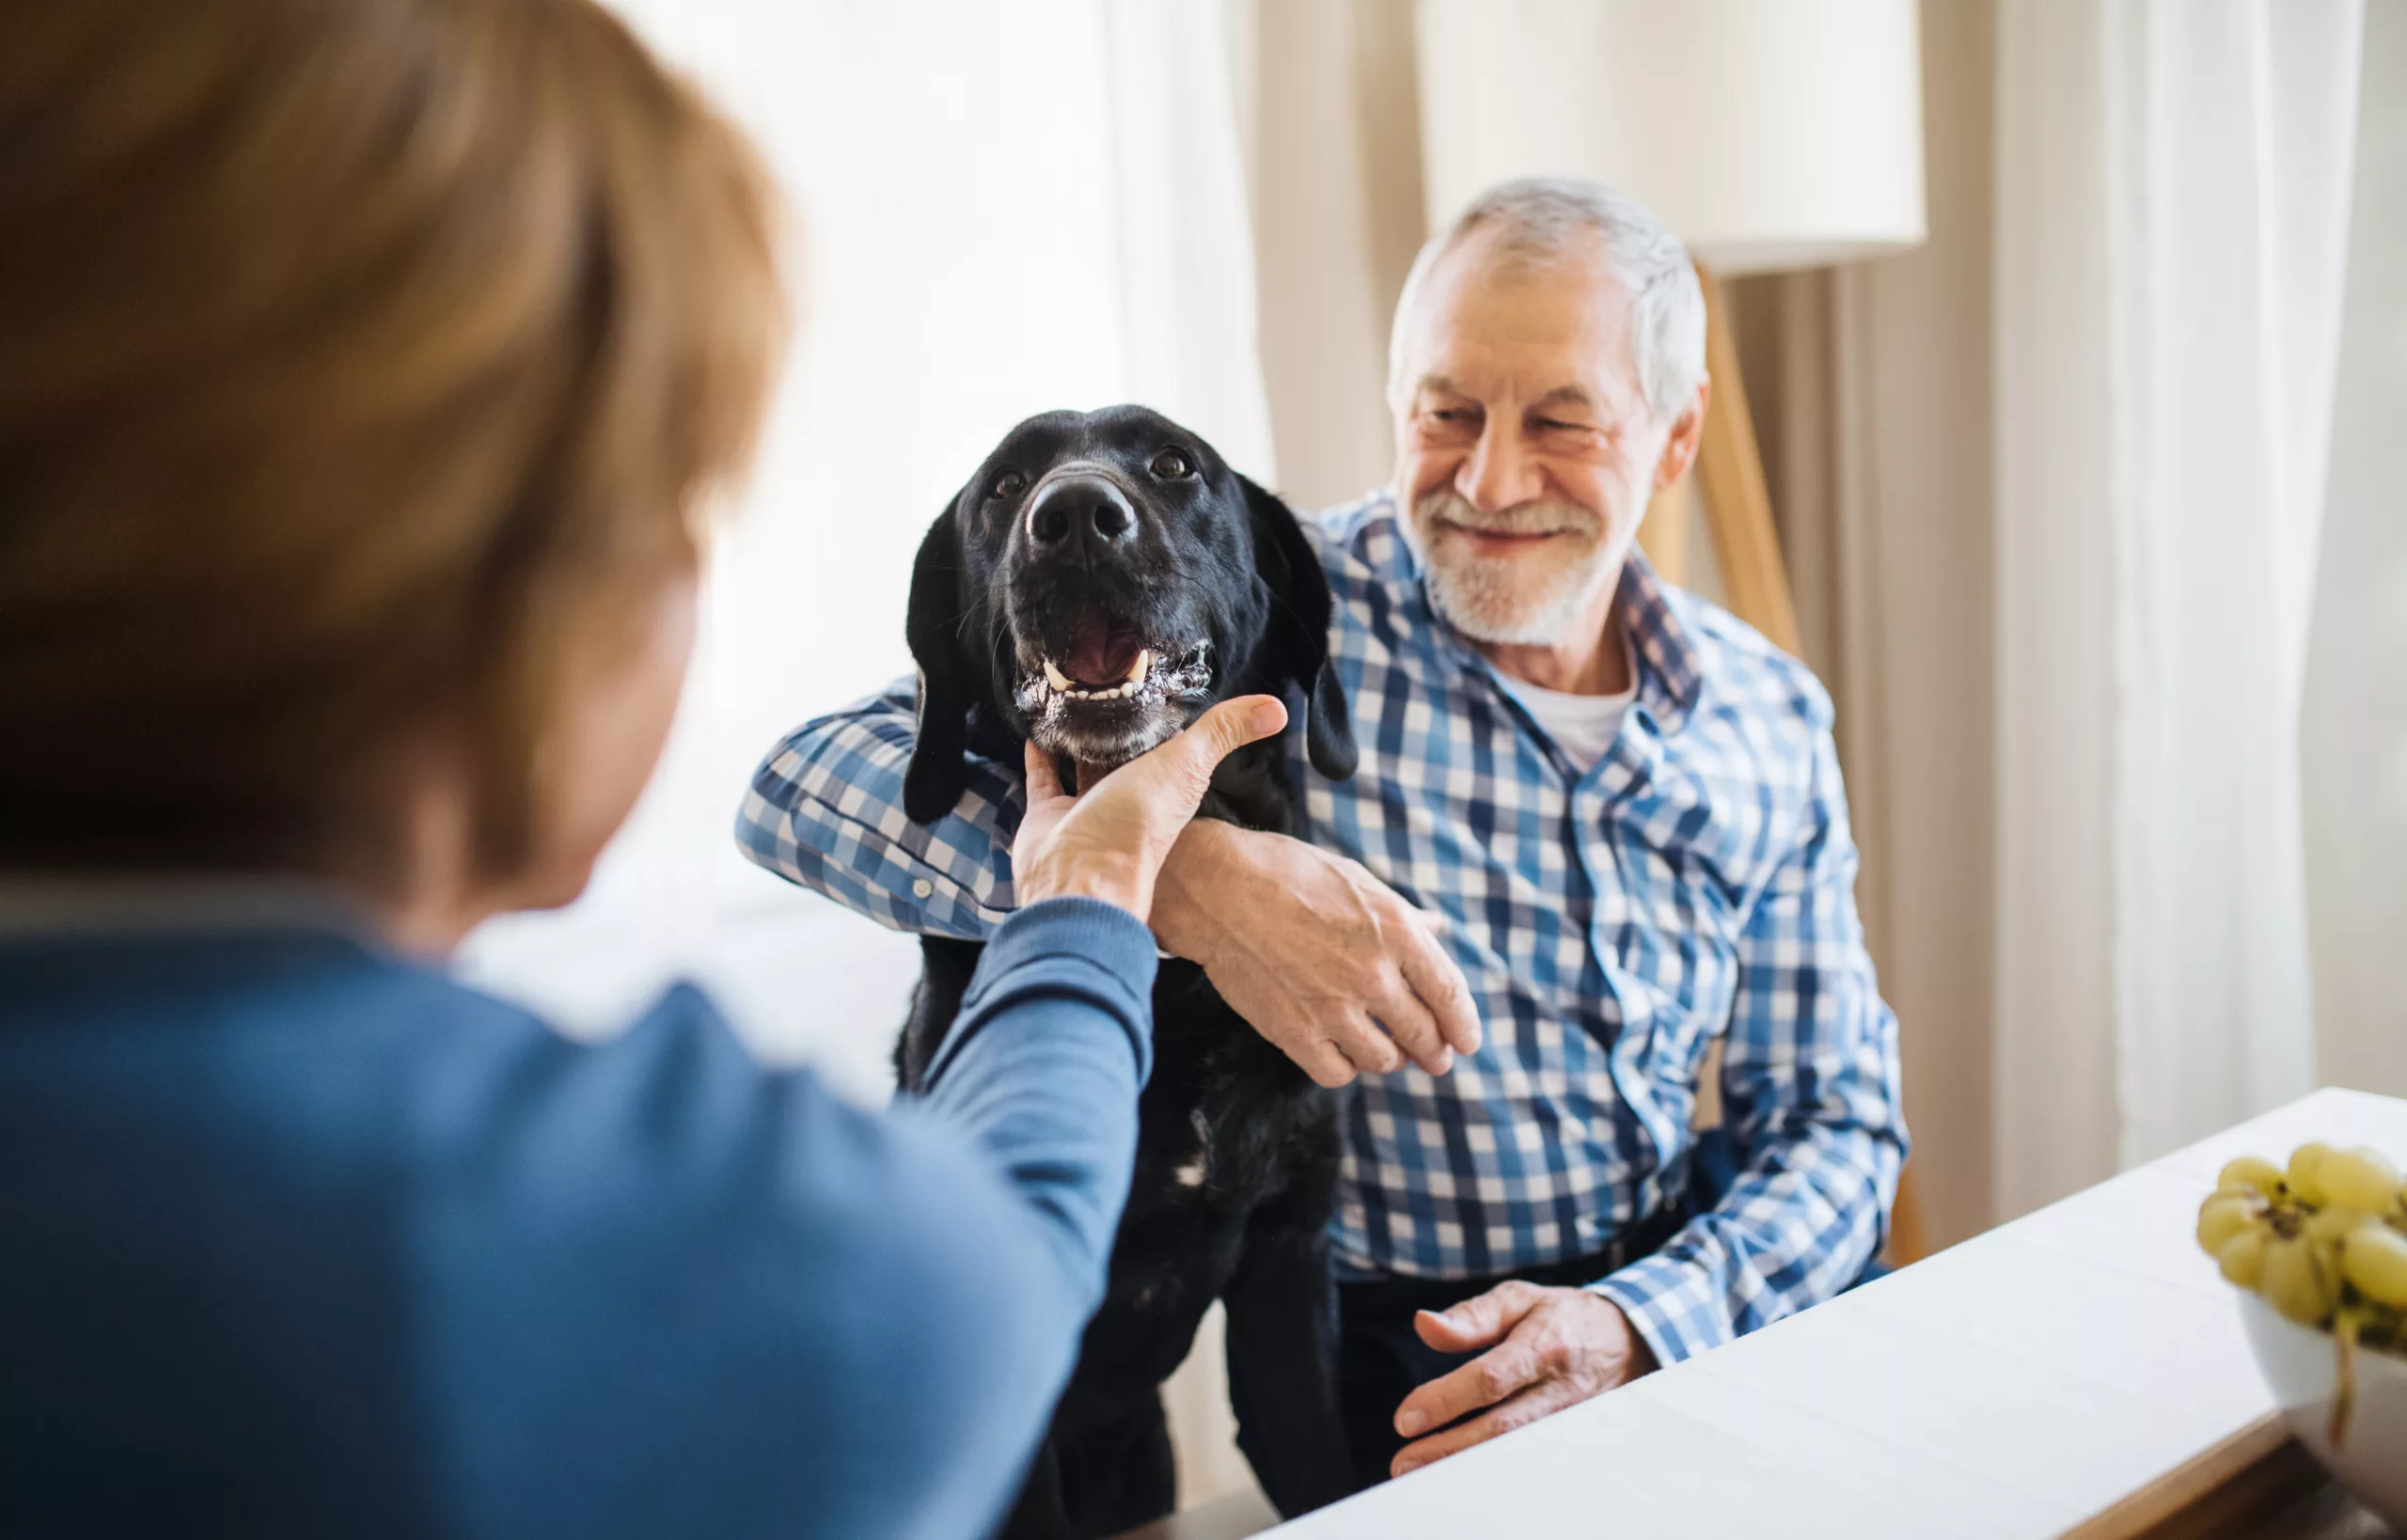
{"x":825,"y":809}
{"x":1810,"y":1089}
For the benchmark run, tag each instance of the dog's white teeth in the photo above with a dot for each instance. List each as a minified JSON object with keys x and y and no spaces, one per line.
{"x":1070,"y":689}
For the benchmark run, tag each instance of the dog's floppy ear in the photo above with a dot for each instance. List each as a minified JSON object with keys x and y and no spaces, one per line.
{"x":1300,"y":630}
{"x":948,"y":682}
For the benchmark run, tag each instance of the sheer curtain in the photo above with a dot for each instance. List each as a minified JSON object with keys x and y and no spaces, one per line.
{"x":997,"y":209}
{"x":2174,"y":184}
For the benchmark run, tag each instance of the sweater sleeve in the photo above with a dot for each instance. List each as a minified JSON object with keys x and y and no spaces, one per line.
{"x":684,"y":1295}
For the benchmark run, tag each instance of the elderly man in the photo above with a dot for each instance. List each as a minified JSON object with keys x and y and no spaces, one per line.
{"x":1596,"y":815}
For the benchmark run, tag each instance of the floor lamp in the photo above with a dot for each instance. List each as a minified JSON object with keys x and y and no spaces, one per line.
{"x":1771,"y":135}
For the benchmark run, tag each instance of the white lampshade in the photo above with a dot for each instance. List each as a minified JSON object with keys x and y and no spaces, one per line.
{"x":1768,"y":133}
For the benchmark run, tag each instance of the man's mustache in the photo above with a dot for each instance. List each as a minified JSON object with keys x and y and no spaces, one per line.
{"x":1545,"y":517}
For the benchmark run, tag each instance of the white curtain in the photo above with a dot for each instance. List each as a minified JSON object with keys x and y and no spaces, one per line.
{"x":997,"y":209}
{"x":2174,"y":182}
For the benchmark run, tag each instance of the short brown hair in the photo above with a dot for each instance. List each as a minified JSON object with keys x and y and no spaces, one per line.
{"x":355,"y":355}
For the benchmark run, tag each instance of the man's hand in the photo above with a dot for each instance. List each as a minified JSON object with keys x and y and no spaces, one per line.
{"x":1110,"y":842}
{"x":1546,"y":1350}
{"x":1320,"y":956}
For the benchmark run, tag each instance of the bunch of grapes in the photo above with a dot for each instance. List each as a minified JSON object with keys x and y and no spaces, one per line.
{"x":2324,"y":1242}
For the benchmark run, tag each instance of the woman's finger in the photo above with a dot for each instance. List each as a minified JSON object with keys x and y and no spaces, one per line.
{"x":1189,"y":759}
{"x":1044,"y":780}
{"x":1233,"y":724}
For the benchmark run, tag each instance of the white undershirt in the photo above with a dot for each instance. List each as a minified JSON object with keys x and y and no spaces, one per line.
{"x":1584,"y":727}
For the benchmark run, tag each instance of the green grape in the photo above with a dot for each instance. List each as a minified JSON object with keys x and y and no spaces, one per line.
{"x":2329,"y":1227}
{"x":2243,"y":1257}
{"x":2304,"y":1161}
{"x":2375,"y":1260}
{"x":2359,"y":1179}
{"x":2296,"y":1284}
{"x":2249,"y":1173}
{"x":2226,"y":1214}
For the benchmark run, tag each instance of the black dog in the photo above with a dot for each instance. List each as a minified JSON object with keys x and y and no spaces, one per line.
{"x":1101,"y":581}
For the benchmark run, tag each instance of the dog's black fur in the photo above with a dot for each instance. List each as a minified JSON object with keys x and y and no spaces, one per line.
{"x":1083,"y":537}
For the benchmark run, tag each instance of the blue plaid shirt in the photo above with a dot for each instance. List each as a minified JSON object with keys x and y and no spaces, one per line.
{"x":1698,"y":882}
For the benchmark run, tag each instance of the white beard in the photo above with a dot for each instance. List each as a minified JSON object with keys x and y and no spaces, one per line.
{"x":1510,"y":602}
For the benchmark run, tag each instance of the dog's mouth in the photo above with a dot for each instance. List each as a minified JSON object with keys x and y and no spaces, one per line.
{"x":1106,"y":691}
{"x":1106,"y":659}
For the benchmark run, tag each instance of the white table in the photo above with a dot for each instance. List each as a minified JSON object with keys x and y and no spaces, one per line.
{"x":2019,"y":1385}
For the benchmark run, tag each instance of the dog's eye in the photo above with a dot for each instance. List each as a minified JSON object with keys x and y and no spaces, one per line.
{"x":1009,"y":484}
{"x":1174,"y":465}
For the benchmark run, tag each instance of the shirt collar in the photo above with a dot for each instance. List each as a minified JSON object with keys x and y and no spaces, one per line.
{"x":1668,"y":666}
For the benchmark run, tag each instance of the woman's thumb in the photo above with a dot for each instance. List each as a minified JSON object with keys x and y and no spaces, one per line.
{"x":1233,"y":724}
{"x":1183,"y":767}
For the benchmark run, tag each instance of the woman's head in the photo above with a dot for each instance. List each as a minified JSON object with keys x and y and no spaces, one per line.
{"x":366,"y":364}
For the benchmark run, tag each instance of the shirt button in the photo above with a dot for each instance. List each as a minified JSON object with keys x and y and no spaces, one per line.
{"x":922,"y":888}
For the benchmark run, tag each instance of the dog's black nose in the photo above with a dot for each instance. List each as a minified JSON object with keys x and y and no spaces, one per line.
{"x":1081,"y":513}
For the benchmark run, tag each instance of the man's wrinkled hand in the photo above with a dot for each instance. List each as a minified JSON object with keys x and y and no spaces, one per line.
{"x":1318,"y":955}
{"x":1546,"y":1350}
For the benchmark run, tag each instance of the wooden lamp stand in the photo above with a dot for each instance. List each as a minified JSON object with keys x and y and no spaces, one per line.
{"x":1754,"y":584}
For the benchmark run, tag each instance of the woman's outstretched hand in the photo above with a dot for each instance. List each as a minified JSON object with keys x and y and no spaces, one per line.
{"x":1108,"y":842}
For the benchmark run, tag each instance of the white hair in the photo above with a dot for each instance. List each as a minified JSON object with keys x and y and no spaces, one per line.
{"x":1551,"y":219}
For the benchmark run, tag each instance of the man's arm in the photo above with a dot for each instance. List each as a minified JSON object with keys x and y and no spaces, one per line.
{"x":824,"y":810}
{"x":1316,"y":954}
{"x":1810,"y":1087}
{"x":1321,"y":957}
